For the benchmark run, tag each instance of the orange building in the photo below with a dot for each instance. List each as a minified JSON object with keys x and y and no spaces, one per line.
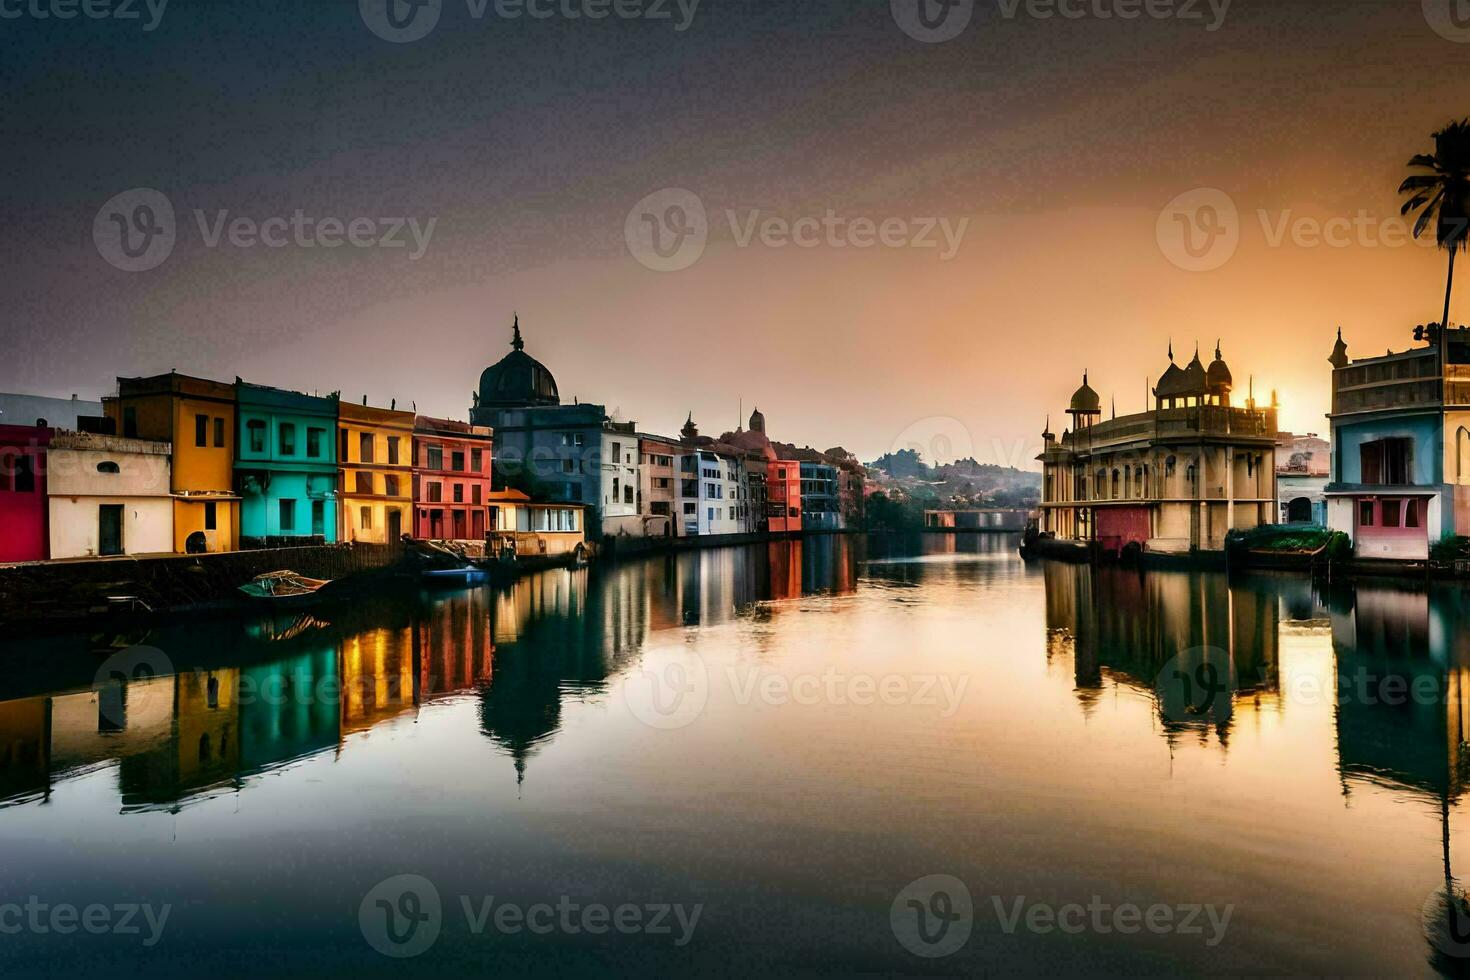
{"x":375,"y":460}
{"x":783,"y":496}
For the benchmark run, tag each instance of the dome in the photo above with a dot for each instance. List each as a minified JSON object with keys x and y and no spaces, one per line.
{"x":757,"y":421}
{"x":1085,"y":401}
{"x":1171,"y":383}
{"x":1194,"y":377}
{"x":517,"y":380}
{"x":1218,"y":374}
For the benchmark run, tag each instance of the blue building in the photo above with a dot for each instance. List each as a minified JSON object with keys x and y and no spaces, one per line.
{"x":285,"y":464}
{"x":1400,"y":476}
{"x":820,"y":508}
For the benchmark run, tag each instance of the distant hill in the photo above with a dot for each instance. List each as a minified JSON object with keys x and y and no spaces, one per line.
{"x":965,"y":482}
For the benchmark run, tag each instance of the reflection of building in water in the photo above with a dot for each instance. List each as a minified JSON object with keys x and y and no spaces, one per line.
{"x":290,"y":709}
{"x":377,"y":677}
{"x":1403,"y":686}
{"x":453,"y":642}
{"x":783,"y":559}
{"x":203,"y":750}
{"x":24,"y":762}
{"x":1174,"y":633}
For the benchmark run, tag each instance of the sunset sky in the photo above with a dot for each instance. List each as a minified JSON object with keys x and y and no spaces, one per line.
{"x":1056,"y":143}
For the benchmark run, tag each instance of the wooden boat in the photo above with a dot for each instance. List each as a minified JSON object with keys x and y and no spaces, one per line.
{"x":282,"y":585}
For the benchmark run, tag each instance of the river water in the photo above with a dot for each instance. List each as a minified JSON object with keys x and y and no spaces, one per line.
{"x":832,"y":756}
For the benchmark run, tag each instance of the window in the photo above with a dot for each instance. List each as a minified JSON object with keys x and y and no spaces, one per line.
{"x":201,"y":430}
{"x":690,"y":509}
{"x":210,"y":517}
{"x":456,"y":461}
{"x":25,"y":474}
{"x":287,"y":438}
{"x":659,"y":508}
{"x":477,"y":460}
{"x":130,"y":422}
{"x":567,"y":466}
{"x":1365,"y":513}
{"x":288,"y":515}
{"x":255,"y":432}
{"x":314,"y":439}
{"x":392,"y":450}
{"x":1387,"y":462}
{"x":342,"y":435}
{"x":477,"y":494}
{"x":711,"y":513}
{"x":219,"y":433}
{"x":436,"y":492}
{"x":390,"y":485}
{"x":365,"y":446}
{"x":688,"y":488}
{"x":574,"y":491}
{"x":1390,"y":511}
{"x":662,"y":483}
{"x":1411,"y":513}
{"x":365,"y":515}
{"x":615,"y":493}
{"x":318,"y":517}
{"x":459,"y":493}
{"x":1169,"y":466}
{"x":364,"y":482}
{"x":107,"y":466}
{"x":627,"y":495}
{"x":435,"y":459}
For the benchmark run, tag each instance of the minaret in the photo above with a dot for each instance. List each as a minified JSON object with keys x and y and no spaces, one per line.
{"x":690,"y":432}
{"x":1339,"y":358}
{"x":516,"y":340}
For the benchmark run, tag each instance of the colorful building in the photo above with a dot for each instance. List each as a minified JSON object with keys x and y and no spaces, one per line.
{"x":23,"y":510}
{"x":48,"y":413}
{"x":527,"y":527}
{"x":712,"y":493}
{"x":820,"y":505}
{"x":375,"y":473}
{"x":452,"y":467}
{"x":1174,"y":479}
{"x":1303,"y":467}
{"x":1401,"y":447}
{"x":657,"y":495}
{"x":285,"y":464}
{"x":783,"y":496}
{"x":197,"y":417}
{"x":107,"y":495}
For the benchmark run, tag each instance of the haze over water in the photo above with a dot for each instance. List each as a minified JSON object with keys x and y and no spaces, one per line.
{"x":784,"y":736}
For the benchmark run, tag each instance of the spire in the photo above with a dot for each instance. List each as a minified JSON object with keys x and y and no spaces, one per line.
{"x":1217,"y":349}
{"x":1339,"y":356}
{"x":1171,"y":350}
{"x":516,"y":340}
{"x":1115,"y":406}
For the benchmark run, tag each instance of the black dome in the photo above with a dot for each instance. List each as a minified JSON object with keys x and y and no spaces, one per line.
{"x":517,"y":380}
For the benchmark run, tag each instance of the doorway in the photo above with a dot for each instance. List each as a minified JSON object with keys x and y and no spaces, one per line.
{"x":395,"y":526}
{"x":1299,"y":511}
{"x":110,"y":529}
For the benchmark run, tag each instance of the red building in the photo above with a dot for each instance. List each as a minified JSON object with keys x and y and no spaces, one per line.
{"x":23,"y":532}
{"x":783,"y":495}
{"x":451,"y":479}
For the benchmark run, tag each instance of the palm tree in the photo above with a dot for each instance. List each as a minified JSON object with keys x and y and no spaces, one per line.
{"x":1442,"y":194}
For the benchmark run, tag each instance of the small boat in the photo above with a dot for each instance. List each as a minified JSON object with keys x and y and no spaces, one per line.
{"x":282,"y":585}
{"x":455,"y":576}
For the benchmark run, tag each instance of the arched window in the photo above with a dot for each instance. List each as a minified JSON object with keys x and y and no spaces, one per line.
{"x":1127,"y":480}
{"x":1115,"y":484}
{"x":1462,"y":453}
{"x":107,"y":466}
{"x":1169,"y":466}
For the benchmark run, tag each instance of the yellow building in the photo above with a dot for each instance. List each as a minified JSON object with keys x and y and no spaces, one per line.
{"x":198,"y":418}
{"x":1174,"y":479}
{"x":375,"y":466}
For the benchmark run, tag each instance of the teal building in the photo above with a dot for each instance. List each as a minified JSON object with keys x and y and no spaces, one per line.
{"x":285,"y":464}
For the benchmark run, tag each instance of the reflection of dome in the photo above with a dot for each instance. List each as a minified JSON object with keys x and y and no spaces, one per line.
{"x":518,"y":379}
{"x":1218,"y":375}
{"x":1085,"y":401}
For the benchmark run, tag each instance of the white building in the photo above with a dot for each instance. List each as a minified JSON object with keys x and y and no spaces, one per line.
{"x":108,"y":495}
{"x":619,"y":465}
{"x":55,"y":413}
{"x":713,"y":496}
{"x":1303,"y":467}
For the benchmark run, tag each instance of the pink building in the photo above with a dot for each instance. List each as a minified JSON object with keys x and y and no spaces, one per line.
{"x":783,"y":496}
{"x":23,"y":532}
{"x":451,"y":479}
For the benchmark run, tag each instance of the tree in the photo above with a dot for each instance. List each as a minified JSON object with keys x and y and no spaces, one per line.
{"x":1441,"y":194}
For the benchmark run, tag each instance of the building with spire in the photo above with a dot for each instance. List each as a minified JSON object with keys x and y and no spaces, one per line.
{"x":1400,"y":476}
{"x":1173,"y":479}
{"x":556,"y":452}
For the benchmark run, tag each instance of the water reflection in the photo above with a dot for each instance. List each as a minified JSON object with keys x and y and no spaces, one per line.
{"x":240,"y":698}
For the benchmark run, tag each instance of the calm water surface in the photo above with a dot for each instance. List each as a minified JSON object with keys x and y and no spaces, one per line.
{"x":776,"y":739}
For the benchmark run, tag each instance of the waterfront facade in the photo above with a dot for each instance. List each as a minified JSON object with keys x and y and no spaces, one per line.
{"x":374,"y":473}
{"x":451,"y":479}
{"x":1303,"y":467}
{"x":658,"y":495}
{"x":783,"y":496}
{"x":1401,"y":448}
{"x":1174,"y":479}
{"x":820,"y":504}
{"x":197,"y":418}
{"x":534,"y":528}
{"x":711,"y":498}
{"x":108,"y":495}
{"x":23,"y":508}
{"x":286,"y":464}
